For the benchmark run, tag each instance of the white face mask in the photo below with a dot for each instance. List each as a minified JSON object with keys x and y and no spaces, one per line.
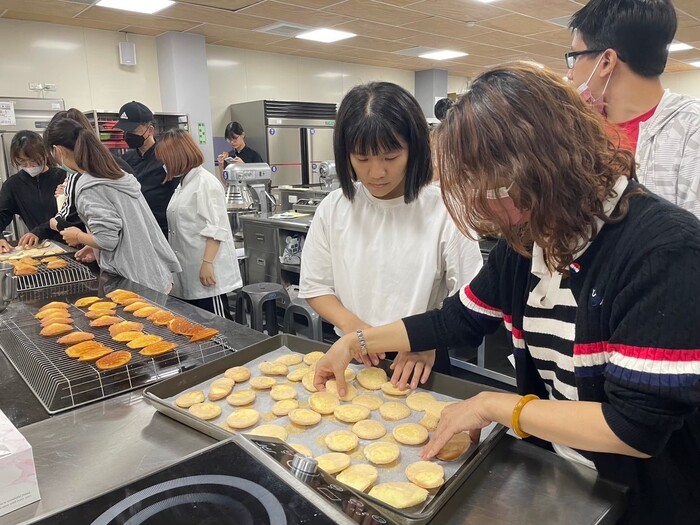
{"x":587,"y":95}
{"x":34,"y":171}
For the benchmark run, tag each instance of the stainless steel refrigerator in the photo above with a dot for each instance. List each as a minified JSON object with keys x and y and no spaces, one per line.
{"x":17,"y":114}
{"x":292,"y":137}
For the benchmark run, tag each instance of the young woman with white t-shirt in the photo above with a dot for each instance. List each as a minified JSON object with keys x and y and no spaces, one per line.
{"x":385,"y":232}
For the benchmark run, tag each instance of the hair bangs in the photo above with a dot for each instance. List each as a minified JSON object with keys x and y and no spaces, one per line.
{"x":372,"y":136}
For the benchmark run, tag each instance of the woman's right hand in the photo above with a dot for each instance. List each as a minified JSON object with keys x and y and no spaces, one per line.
{"x":333,"y":364}
{"x":60,"y":190}
{"x":223,"y":156}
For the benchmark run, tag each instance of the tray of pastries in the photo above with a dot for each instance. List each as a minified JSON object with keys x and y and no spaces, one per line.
{"x":369,"y":439}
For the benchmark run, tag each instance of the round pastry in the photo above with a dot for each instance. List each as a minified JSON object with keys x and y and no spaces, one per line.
{"x":262,"y":383}
{"x":280,"y":392}
{"x":435,"y":407}
{"x":308,"y":380}
{"x":382,"y":452}
{"x":400,"y":495}
{"x":430,"y":422}
{"x":350,"y":391}
{"x":455,"y":447}
{"x":298,"y":373}
{"x":188,"y":399}
{"x":351,"y":413}
{"x":243,"y":418}
{"x":323,"y":402}
{"x":341,"y":441}
{"x":302,"y":449}
{"x":371,"y":378}
{"x":290,"y":359}
{"x":238,"y":373}
{"x":350,"y":375}
{"x":333,"y":462}
{"x":419,"y":401}
{"x":304,"y":417}
{"x":393,"y":411}
{"x":272,"y":368}
{"x":369,"y":429}
{"x":313,"y":357}
{"x":410,"y":434}
{"x":426,"y":474}
{"x":369,"y":401}
{"x":284,"y":407}
{"x":241,"y":398}
{"x":389,"y":389}
{"x":274,"y":431}
{"x":220,"y":388}
{"x":205,"y":411}
{"x":360,"y":477}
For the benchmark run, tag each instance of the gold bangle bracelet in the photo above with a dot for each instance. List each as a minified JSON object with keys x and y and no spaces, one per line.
{"x":515,"y":420}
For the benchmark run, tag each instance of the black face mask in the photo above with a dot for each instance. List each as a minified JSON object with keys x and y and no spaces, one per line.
{"x":133,"y":140}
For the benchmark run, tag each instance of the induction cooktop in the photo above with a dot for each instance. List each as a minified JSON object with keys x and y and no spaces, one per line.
{"x":223,"y":484}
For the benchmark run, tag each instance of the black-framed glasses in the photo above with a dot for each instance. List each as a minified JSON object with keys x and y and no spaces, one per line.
{"x":571,"y":56}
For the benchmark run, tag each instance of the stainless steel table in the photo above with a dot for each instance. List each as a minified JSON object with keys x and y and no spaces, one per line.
{"x":92,"y":449}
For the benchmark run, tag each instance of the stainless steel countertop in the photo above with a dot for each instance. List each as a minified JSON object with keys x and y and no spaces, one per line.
{"x":94,"y":449}
{"x":301,"y":224}
{"x":90,"y":450}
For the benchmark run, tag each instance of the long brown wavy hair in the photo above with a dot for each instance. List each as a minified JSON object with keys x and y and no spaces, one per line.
{"x":524,"y":126}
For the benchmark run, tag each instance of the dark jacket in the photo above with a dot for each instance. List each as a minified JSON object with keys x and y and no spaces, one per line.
{"x":32,"y":198}
{"x":150,"y":174}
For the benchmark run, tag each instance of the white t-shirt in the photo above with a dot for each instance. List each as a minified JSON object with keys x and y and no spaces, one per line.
{"x":385,"y":259}
{"x":197,"y":212}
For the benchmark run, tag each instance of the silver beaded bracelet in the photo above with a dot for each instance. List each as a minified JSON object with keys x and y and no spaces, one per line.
{"x":361,"y":339}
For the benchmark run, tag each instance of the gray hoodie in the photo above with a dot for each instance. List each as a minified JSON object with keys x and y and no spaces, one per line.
{"x":668,"y":151}
{"x":131,"y":242}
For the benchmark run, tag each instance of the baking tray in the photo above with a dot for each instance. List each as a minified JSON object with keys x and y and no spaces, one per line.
{"x":163,"y":393}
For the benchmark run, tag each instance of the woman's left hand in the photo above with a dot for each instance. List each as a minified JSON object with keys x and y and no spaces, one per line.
{"x":420,"y":364}
{"x":70,"y":235}
{"x":465,"y":416}
{"x":206,"y":274}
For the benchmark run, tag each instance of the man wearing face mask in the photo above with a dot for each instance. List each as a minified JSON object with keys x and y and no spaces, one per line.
{"x":619,"y":51}
{"x":136,"y":120}
{"x":29,"y":193}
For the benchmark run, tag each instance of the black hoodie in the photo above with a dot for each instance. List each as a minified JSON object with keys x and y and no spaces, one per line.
{"x":32,"y":198}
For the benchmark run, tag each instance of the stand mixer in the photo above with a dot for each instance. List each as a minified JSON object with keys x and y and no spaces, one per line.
{"x":328,"y":175}
{"x":247,"y":191}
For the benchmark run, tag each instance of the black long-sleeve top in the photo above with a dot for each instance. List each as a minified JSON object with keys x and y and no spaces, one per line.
{"x":32,"y":198}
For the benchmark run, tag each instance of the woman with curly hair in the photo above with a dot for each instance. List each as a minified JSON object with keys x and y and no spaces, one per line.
{"x":596,"y":278}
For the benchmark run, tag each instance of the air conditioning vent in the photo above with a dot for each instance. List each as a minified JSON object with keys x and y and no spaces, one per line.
{"x":284,"y":29}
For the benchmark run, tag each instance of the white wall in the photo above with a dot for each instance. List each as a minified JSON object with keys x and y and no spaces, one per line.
{"x":686,"y":83}
{"x":241,"y":75}
{"x":457,"y":84}
{"x":83,"y":63}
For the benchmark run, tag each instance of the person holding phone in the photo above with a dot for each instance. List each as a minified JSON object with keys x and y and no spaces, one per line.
{"x":240,"y":152}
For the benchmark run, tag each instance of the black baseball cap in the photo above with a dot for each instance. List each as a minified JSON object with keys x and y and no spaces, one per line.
{"x":132,"y":115}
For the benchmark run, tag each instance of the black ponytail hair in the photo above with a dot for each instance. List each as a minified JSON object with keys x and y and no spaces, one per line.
{"x":90,"y":154}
